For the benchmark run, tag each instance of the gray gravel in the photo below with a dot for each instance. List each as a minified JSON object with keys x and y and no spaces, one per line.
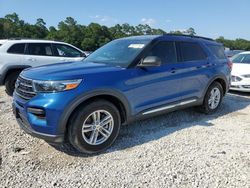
{"x":179,"y":149}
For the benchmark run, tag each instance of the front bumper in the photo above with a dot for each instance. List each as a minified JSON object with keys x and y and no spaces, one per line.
{"x":47,"y":126}
{"x":25,"y":125}
{"x":243,"y":88}
{"x":242,"y":85}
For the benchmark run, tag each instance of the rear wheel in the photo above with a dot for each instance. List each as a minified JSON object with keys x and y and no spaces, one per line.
{"x":10,"y":82}
{"x":95,"y":127}
{"x":213,"y":98}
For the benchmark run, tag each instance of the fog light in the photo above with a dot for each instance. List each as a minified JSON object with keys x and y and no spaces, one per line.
{"x":39,"y":113}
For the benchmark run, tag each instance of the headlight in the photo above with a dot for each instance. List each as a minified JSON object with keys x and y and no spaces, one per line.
{"x":236,"y":79}
{"x":246,"y":76}
{"x":55,"y":86}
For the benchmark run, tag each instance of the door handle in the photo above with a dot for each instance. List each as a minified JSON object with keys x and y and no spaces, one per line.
{"x":208,"y":64}
{"x":173,"y":70}
{"x":31,"y":59}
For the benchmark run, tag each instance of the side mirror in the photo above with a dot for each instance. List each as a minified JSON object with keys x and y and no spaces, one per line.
{"x":150,"y":61}
{"x":83,"y":55}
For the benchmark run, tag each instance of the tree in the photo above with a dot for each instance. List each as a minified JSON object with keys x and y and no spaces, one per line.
{"x":190,"y":31}
{"x":92,"y":36}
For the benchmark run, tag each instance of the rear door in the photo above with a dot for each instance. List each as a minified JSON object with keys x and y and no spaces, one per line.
{"x":192,"y":68}
{"x":14,"y":54}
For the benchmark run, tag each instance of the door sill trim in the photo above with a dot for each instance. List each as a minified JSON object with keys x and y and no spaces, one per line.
{"x":169,"y":106}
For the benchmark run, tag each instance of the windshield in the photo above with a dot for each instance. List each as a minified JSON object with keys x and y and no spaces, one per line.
{"x":118,"y":52}
{"x":241,"y":58}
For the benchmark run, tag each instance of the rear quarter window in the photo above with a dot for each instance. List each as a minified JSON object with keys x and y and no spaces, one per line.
{"x":218,"y":51}
{"x":191,"y":51}
{"x":17,"y":48}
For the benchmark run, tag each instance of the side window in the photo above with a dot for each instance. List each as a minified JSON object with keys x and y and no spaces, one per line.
{"x":218,"y":51}
{"x":43,"y":49}
{"x":17,"y":48}
{"x":165,"y":51}
{"x":191,"y":51}
{"x":66,"y":51}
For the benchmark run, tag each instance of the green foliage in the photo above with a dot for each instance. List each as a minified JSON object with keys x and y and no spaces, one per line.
{"x":89,"y":37}
{"x":238,"y":44}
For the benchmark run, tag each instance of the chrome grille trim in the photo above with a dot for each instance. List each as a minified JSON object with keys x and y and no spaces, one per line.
{"x":24,"y":88}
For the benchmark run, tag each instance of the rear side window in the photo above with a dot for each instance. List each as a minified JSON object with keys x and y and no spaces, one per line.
{"x":218,"y":51}
{"x":191,"y":51}
{"x":17,"y":48}
{"x":43,"y":49}
{"x":165,"y":51}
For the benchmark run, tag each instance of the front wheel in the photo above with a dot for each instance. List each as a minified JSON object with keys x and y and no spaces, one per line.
{"x":213,"y":98}
{"x":10,"y":82}
{"x":94,"y":127}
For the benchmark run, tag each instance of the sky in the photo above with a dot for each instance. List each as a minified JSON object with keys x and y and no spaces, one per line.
{"x":210,"y":18}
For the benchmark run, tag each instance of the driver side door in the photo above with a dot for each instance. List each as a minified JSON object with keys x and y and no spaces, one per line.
{"x":157,"y":86}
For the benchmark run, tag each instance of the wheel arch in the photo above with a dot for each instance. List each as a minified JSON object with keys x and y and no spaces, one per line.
{"x":11,"y":69}
{"x":115,"y":97}
{"x":222,"y":80}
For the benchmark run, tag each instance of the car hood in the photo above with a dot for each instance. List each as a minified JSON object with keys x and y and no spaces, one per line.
{"x":240,"y":69}
{"x":64,"y":71}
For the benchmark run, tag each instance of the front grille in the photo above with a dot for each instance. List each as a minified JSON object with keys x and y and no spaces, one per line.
{"x":24,"y":88}
{"x":246,"y":86}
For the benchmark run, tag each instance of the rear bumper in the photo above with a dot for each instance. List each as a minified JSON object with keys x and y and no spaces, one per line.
{"x":24,"y":124}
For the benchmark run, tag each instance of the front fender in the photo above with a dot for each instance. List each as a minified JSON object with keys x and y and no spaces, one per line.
{"x":84,"y":97}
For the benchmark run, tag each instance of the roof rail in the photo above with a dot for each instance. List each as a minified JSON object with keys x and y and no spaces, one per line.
{"x":23,"y":38}
{"x":191,"y":36}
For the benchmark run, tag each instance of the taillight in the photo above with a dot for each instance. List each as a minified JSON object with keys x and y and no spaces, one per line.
{"x":230,"y":64}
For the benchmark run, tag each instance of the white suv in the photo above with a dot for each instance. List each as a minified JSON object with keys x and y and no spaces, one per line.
{"x":18,"y":54}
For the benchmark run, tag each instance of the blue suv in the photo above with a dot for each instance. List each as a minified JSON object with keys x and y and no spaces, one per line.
{"x":85,"y":103}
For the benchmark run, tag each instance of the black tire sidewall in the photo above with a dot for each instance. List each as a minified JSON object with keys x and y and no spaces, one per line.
{"x":205,"y":104}
{"x":10,"y":82}
{"x":75,"y":129}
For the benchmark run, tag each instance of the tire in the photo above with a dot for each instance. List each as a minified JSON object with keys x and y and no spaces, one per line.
{"x":10,"y":82}
{"x":83,"y":127}
{"x":207,"y":106}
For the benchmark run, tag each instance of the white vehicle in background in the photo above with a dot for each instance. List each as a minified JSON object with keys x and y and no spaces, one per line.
{"x":19,"y":54}
{"x":241,"y":72}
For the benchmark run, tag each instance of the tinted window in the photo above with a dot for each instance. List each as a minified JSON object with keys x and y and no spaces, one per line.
{"x":17,"y":49}
{"x":43,"y":49}
{"x":241,"y":58}
{"x":66,"y":51}
{"x":191,"y":51}
{"x":218,"y":51}
{"x":165,"y":51}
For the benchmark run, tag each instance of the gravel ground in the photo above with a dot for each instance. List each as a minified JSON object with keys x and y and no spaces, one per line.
{"x":179,"y":149}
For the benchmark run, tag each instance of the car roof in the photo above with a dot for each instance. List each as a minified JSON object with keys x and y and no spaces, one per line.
{"x":9,"y":42}
{"x":3,"y":41}
{"x":247,"y":52}
{"x":173,"y":36}
{"x":20,"y":40}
